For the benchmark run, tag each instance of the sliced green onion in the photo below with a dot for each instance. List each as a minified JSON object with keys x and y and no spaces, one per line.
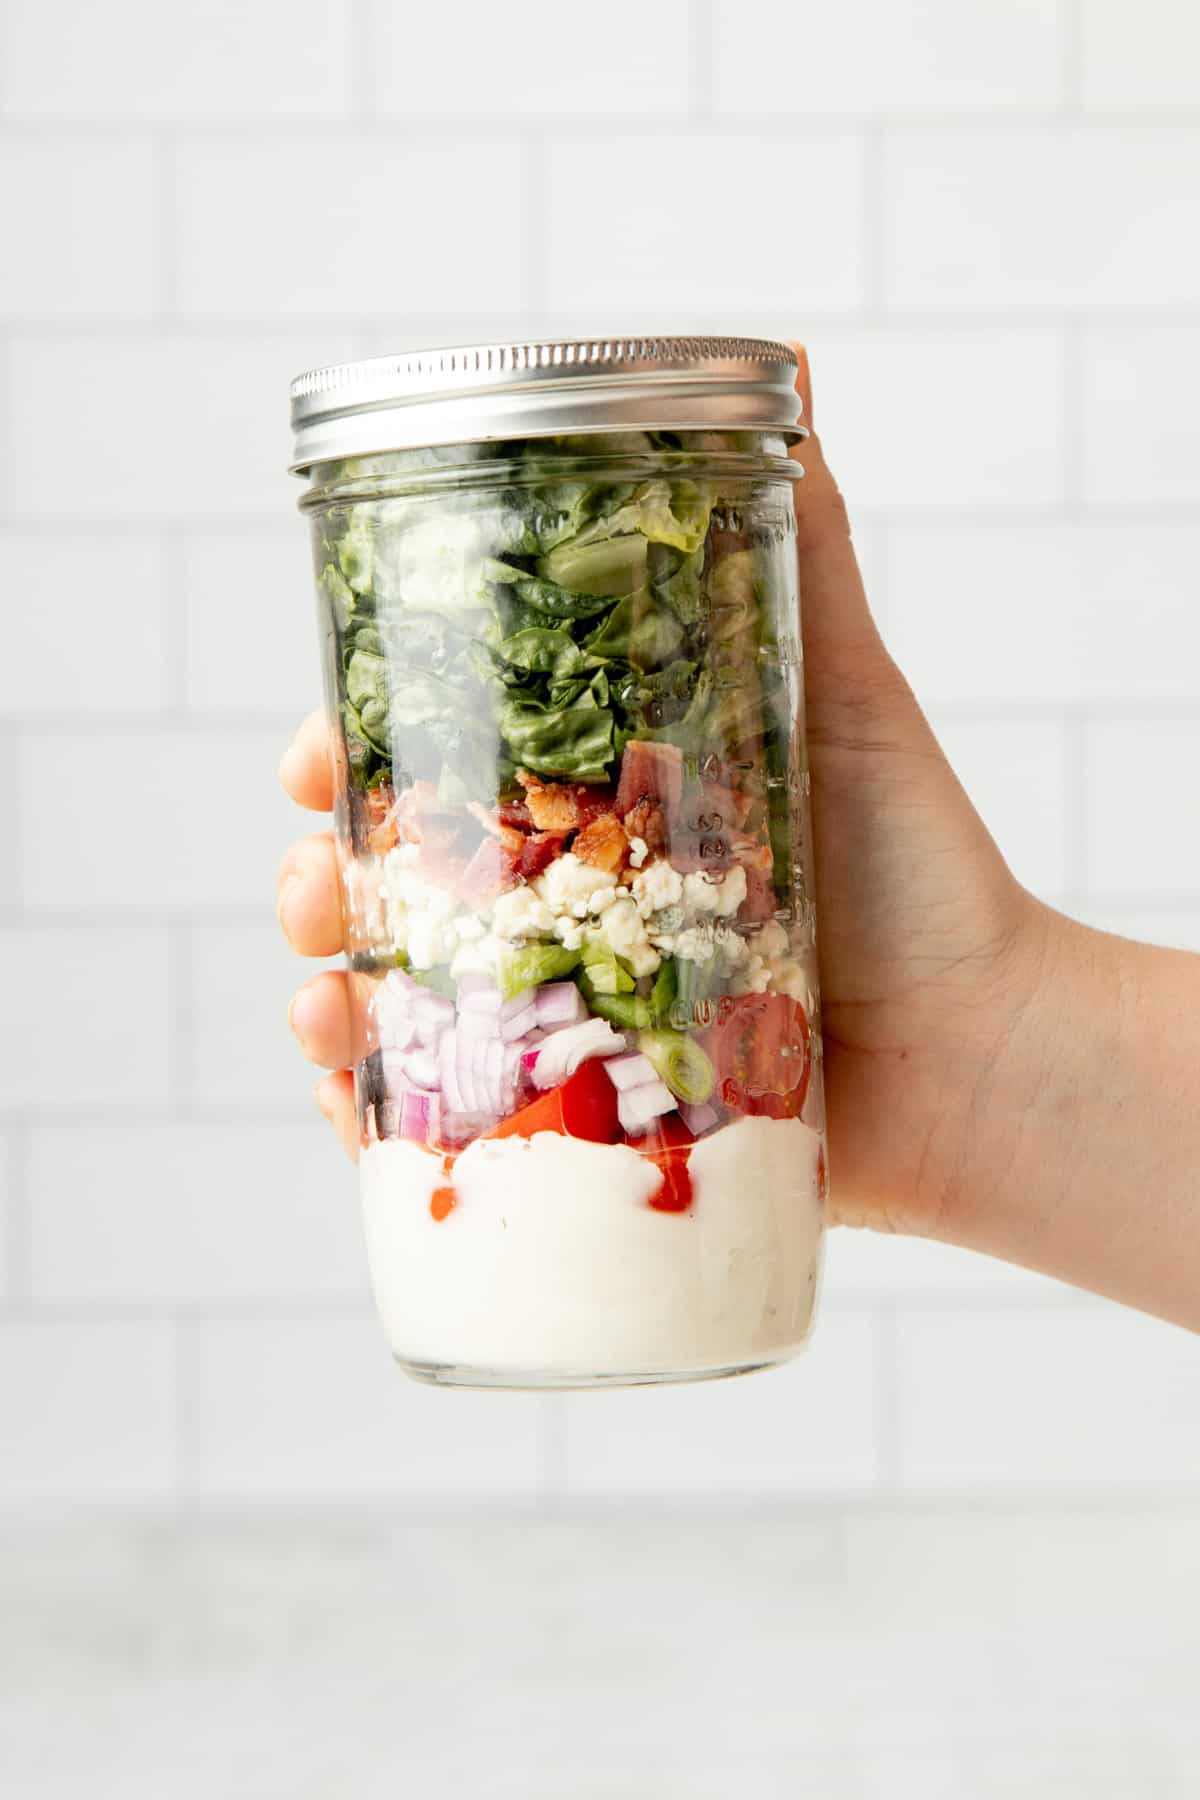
{"x":679,"y":1061}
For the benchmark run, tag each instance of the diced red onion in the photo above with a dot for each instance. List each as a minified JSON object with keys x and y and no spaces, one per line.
{"x":564,"y":1050}
{"x":419,"y":1116}
{"x":428,"y":1007}
{"x":631,"y":1071}
{"x":478,"y":1091}
{"x":472,"y":981}
{"x":427,"y":1033}
{"x":519,"y":1026}
{"x":640,"y":1106}
{"x":421,"y":1066}
{"x":699,"y":1118}
{"x":559,"y":1003}
{"x":448,"y":1068}
{"x":494,"y":1079}
{"x":399,"y":982}
{"x":510,"y":1075}
{"x":490,"y":1003}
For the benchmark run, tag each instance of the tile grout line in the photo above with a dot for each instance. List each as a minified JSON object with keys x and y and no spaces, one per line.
{"x":18,"y":1224}
{"x":1070,"y":54}
{"x":361,"y":96}
{"x":535,"y":248}
{"x":1074,"y":461}
{"x":181,"y":1058}
{"x":175,"y":637}
{"x":873,"y":242}
{"x":165,"y":223}
{"x":482,"y":129}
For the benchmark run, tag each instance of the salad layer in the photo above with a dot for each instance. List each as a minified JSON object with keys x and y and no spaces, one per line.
{"x":569,"y":714}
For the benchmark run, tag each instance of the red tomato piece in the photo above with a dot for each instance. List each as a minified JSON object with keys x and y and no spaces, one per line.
{"x":585,"y":1106}
{"x":668,"y":1142}
{"x":761,"y":1049}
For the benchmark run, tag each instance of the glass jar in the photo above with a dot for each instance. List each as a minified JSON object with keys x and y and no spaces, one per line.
{"x":560,"y":627}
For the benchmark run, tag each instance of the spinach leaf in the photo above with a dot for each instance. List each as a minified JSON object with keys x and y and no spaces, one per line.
{"x":602,"y":567}
{"x":639,"y":631}
{"x":542,"y":652}
{"x":574,"y":741}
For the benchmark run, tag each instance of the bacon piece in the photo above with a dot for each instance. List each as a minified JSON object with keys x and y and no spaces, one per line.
{"x":560,"y":805}
{"x":538,"y":851}
{"x":515,"y":814}
{"x":650,"y":772}
{"x":492,"y":870}
{"x":382,"y":834}
{"x":603,"y":844}
{"x":646,"y":821}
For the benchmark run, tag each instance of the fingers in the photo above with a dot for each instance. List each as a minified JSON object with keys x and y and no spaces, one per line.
{"x":329,"y":1017}
{"x":335,"y":1097}
{"x":306,"y":769}
{"x":309,"y":903}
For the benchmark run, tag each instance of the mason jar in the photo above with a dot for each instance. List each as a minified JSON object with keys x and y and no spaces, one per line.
{"x":559,"y":619}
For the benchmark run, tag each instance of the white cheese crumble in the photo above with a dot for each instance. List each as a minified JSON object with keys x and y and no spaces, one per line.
{"x":657,"y":885}
{"x":521,"y":913}
{"x":622,"y":928}
{"x":639,"y":850}
{"x":568,"y":880}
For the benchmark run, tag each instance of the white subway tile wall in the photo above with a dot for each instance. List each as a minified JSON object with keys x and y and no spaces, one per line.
{"x":980,"y":218}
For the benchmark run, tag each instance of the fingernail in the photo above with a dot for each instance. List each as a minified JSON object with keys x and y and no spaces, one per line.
{"x":287,"y":887}
{"x":284,"y":760}
{"x":300,"y":1013}
{"x":324,"y":1103}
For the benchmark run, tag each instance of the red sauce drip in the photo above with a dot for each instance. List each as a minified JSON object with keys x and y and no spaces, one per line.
{"x":669,"y":1144}
{"x":442,"y":1202}
{"x":675,"y":1188}
{"x":443,"y":1199}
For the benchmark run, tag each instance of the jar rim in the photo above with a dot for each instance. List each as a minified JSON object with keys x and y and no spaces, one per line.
{"x":536,"y":388}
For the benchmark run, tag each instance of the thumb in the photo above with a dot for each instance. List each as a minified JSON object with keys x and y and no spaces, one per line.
{"x":852,"y":685}
{"x":832,"y":595}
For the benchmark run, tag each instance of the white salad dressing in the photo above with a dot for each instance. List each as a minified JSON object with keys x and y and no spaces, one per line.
{"x":553,"y":1261}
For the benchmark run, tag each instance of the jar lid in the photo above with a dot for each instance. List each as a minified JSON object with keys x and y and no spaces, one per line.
{"x":539,"y":388}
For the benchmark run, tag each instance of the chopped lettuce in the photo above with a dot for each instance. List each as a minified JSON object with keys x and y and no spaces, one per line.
{"x":533,"y":964}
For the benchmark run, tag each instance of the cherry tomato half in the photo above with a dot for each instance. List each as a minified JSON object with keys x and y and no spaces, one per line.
{"x":761,"y":1050}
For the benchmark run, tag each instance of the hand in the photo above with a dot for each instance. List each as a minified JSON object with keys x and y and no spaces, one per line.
{"x":322,"y":1014}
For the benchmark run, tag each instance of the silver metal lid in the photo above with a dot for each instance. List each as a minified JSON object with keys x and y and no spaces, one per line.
{"x":543,"y":389}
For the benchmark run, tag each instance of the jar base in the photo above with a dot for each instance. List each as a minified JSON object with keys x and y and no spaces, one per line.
{"x":543,"y":1380}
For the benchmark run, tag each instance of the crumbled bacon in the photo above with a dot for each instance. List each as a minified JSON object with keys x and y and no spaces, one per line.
{"x":538,"y":851}
{"x":492,"y":870}
{"x":382,"y":834}
{"x":649,"y":771}
{"x":515,"y":814}
{"x":560,"y":805}
{"x":761,"y":900}
{"x":646,"y":821}
{"x":603,"y":844}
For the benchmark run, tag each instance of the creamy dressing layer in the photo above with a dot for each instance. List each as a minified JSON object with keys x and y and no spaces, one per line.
{"x":552,"y":1260}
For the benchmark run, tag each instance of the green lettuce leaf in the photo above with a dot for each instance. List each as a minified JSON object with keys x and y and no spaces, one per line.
{"x":638,"y":631}
{"x":532,"y":964}
{"x":603,"y":971}
{"x":574,"y":741}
